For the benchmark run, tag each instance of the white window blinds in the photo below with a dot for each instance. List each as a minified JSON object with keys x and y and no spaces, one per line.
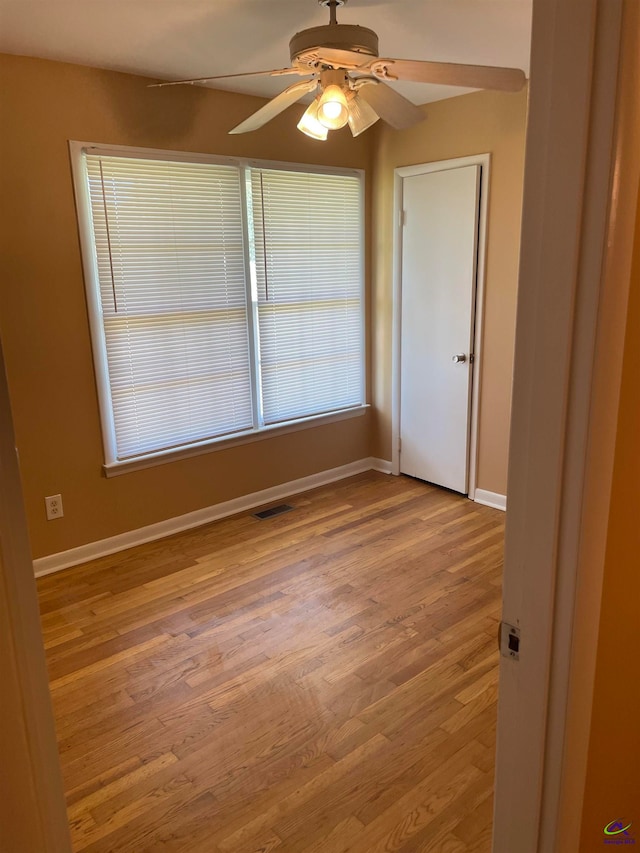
{"x":308,"y":257}
{"x":170,"y":265}
{"x":225,"y":297}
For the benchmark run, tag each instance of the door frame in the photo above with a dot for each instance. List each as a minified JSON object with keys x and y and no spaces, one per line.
{"x":484,"y":161}
{"x":27,"y":719}
{"x":572,"y":301}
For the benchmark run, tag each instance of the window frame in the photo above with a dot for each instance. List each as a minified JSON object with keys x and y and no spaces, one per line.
{"x":114,"y":465}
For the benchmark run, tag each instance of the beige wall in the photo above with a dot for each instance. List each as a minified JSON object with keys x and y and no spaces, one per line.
{"x":612,"y":790}
{"x":472,"y":124}
{"x":612,"y":779}
{"x":43,"y":316}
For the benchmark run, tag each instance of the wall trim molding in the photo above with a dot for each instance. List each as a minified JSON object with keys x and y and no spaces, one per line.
{"x":383,"y":465}
{"x":92,"y":550}
{"x":492,"y":499}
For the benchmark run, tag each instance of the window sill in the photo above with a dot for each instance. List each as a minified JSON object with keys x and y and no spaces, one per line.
{"x":162,"y":457}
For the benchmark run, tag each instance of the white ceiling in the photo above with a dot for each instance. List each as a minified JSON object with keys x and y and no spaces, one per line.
{"x":175,"y":39}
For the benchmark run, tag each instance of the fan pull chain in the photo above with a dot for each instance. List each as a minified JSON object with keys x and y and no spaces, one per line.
{"x":106,"y":219}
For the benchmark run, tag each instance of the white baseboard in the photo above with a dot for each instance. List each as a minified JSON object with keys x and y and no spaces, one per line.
{"x":92,"y":550}
{"x":492,"y":499}
{"x":382,"y":465}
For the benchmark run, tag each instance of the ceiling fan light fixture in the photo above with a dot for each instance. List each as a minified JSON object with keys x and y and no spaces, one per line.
{"x":309,"y":123}
{"x":343,"y":58}
{"x":361,"y":115}
{"x":333,"y":111}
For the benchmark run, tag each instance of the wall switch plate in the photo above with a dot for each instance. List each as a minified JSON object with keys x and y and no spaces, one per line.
{"x":53,"y":504}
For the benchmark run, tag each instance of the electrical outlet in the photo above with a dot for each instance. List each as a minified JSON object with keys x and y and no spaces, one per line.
{"x":54,"y":507}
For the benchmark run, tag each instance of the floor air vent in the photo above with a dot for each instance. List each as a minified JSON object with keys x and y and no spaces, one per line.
{"x":274,"y":510}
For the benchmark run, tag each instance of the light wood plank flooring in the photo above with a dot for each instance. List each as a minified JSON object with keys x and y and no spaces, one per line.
{"x":322,"y":681}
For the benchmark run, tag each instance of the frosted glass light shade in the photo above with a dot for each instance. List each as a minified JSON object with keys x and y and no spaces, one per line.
{"x":309,"y":123}
{"x":361,"y":115}
{"x":333,"y":112}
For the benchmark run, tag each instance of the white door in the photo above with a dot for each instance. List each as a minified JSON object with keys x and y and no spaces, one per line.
{"x":439,"y":260}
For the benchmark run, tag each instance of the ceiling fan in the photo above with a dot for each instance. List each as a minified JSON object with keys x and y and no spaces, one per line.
{"x":343,"y":61}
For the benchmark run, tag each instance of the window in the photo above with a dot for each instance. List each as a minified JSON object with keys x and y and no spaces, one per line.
{"x":307,"y":234}
{"x":226,"y":298}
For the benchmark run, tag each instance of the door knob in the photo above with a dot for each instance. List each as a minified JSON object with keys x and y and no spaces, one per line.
{"x":459,"y":359}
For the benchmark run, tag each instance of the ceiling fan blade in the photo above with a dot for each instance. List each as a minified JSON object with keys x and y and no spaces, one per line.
{"x":390,"y":105}
{"x":343,"y":58}
{"x":450,"y":74}
{"x":276,"y":106}
{"x":274,"y":73}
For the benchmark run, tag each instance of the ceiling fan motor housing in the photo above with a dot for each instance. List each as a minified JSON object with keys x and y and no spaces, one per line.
{"x":303,"y":45}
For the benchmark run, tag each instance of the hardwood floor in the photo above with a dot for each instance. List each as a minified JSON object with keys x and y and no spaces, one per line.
{"x":321,"y":681}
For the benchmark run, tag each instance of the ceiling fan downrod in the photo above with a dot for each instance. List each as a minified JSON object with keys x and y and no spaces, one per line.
{"x":333,"y":7}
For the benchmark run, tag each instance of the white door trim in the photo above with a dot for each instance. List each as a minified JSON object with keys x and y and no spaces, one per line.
{"x":484,"y":161}
{"x":562,"y":293}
